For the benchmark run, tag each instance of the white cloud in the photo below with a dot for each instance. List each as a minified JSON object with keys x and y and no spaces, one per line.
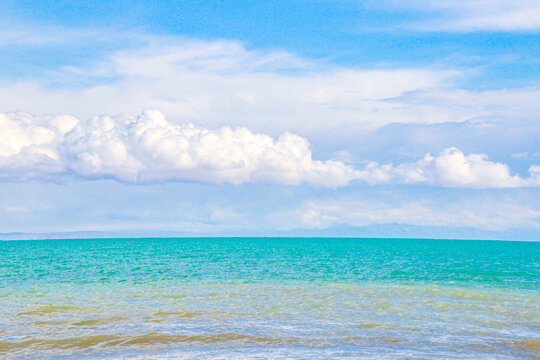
{"x":149,"y":148}
{"x":483,"y":214}
{"x":534,"y":171}
{"x":520,"y":156}
{"x":452,"y":168}
{"x":221,"y":83}
{"x":476,"y":15}
{"x":14,"y":34}
{"x":216,"y":83}
{"x":29,"y":146}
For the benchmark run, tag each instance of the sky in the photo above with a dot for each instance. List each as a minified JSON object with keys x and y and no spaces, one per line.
{"x":380,"y":118}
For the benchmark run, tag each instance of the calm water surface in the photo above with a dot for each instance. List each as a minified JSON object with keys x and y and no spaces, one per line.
{"x":256,"y":298}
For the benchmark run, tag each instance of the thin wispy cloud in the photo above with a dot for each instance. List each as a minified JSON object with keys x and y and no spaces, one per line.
{"x":489,"y":215}
{"x":474,"y":15}
{"x":217,"y":83}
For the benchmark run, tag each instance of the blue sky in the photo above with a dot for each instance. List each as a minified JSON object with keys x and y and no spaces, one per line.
{"x":355,"y":33}
{"x":307,"y":117}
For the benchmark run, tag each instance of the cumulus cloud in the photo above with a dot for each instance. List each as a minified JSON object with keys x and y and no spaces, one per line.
{"x":149,"y":148}
{"x":452,"y":168}
{"x":29,"y":145}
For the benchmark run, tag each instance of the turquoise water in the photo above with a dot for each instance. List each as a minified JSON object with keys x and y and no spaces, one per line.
{"x":198,"y":298}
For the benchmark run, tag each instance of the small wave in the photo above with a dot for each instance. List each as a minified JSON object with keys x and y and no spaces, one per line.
{"x":50,"y":322}
{"x":530,"y":346}
{"x":360,"y":340}
{"x":149,"y":339}
{"x":178,"y":314}
{"x":49,"y":309}
{"x":48,"y":344}
{"x":101,"y":321}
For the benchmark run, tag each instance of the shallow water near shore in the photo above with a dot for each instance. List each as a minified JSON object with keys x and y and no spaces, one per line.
{"x":256,"y":298}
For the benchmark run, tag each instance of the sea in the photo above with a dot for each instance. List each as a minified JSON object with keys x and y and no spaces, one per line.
{"x":269,"y":298}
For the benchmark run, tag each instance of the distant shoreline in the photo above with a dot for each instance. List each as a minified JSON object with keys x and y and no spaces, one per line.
{"x":40,"y":237}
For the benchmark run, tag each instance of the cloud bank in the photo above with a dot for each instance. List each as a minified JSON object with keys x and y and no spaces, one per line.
{"x":486,"y":215}
{"x":149,"y":148}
